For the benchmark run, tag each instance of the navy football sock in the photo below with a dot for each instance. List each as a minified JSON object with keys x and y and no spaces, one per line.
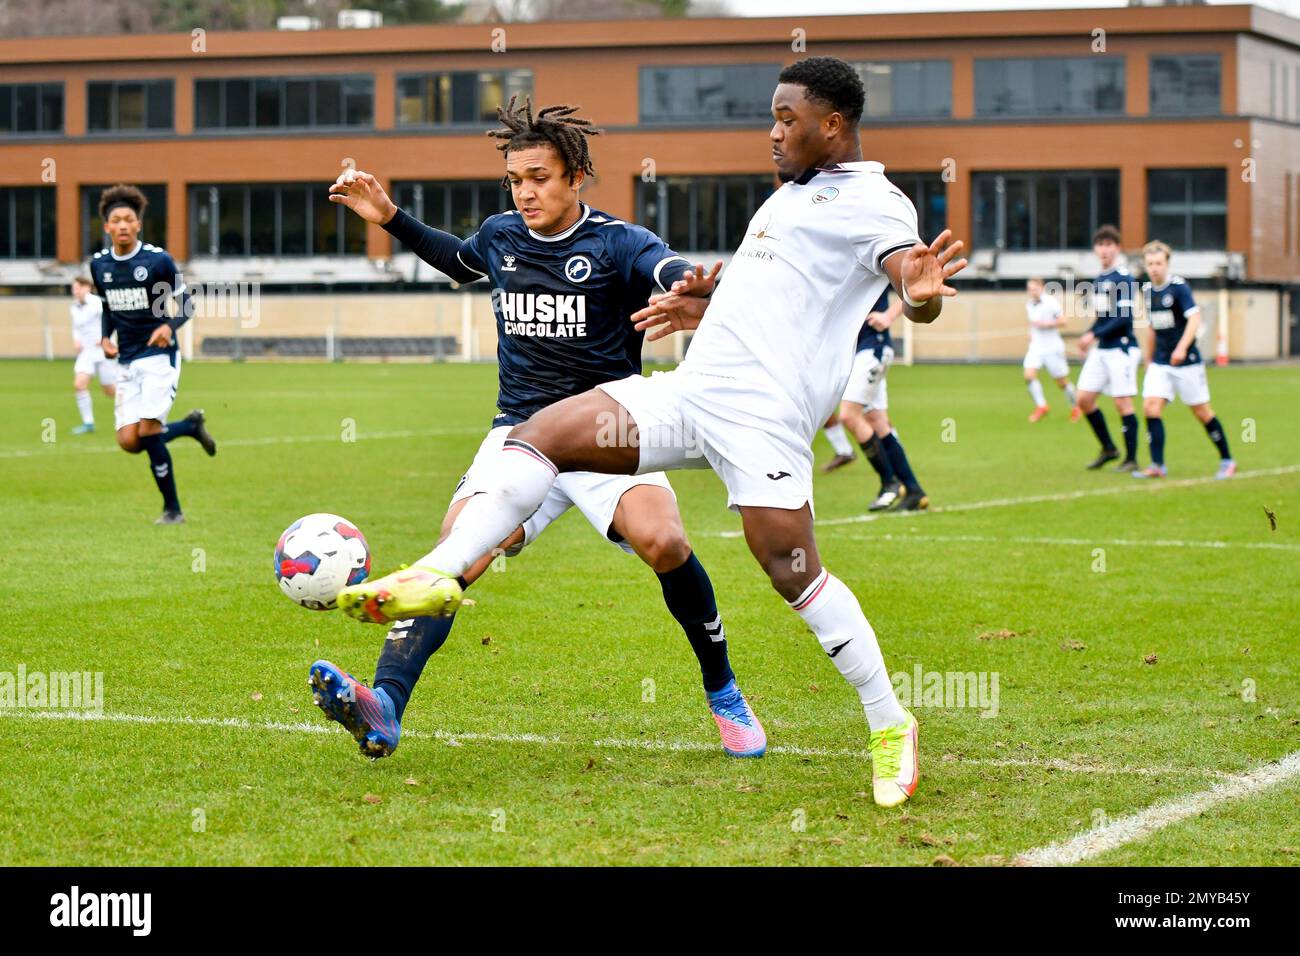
{"x":688,"y":592}
{"x":179,"y":429}
{"x":1215,"y":431}
{"x":160,"y":463}
{"x":408,"y":647}
{"x":898,"y":460}
{"x":1156,"y":436}
{"x":875,"y":453}
{"x":1129,"y":425}
{"x":1098,"y":422}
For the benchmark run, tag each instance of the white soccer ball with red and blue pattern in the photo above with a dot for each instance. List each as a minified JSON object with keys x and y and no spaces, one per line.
{"x":318,"y":556}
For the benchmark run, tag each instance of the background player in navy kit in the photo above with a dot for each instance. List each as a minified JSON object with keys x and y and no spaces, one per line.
{"x":1112,"y":354}
{"x":1175,"y":365}
{"x":566,"y":279}
{"x":865,"y":411}
{"x":136,"y":280}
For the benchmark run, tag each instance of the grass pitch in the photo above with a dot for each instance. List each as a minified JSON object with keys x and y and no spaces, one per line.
{"x":1143,"y":637}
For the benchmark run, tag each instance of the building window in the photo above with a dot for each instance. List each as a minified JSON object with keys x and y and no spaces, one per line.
{"x":436,"y":99}
{"x":284,"y":102}
{"x":1049,"y":86}
{"x":279,"y":219}
{"x":27,"y":222}
{"x":1043,"y":210}
{"x":1188,"y":208}
{"x":128,"y":105}
{"x":31,"y":107}
{"x":458,"y":206}
{"x":930,"y":197}
{"x":153,"y":230}
{"x":1185,"y":84}
{"x":907,"y":88}
{"x":701,"y":213}
{"x":707,"y":94}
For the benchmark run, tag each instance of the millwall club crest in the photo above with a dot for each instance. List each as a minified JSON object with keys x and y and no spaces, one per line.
{"x":825,"y":194}
{"x":508,"y":263}
{"x":140,"y":273}
{"x":577,"y":269}
{"x":1167,"y":300}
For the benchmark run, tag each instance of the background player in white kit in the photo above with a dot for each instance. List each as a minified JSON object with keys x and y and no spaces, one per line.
{"x":1046,"y":349}
{"x":762,"y":375}
{"x":87,"y":312}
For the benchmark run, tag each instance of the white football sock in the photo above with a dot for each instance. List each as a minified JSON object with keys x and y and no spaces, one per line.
{"x":830,"y":609}
{"x":1036,"y":392}
{"x":86,"y":408}
{"x":839,"y":441}
{"x":1069,"y":393}
{"x":520,"y":478}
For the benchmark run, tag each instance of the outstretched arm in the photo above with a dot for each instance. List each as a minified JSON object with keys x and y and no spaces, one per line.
{"x":363,"y":194}
{"x":920,"y":275}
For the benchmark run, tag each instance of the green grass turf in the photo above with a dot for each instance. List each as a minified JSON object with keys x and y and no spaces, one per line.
{"x":186,"y":622}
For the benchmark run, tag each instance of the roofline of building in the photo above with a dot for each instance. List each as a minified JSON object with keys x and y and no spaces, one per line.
{"x":569,"y":35}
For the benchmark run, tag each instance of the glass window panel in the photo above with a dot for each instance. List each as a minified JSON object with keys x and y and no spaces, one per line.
{"x":739,"y":212}
{"x":440,"y":98}
{"x":6,"y":200}
{"x":130,"y":106}
{"x":99,"y":107}
{"x":706,"y":215}
{"x":1047,"y":213}
{"x":325,"y":225}
{"x":329,"y":102}
{"x":231,"y":223}
{"x":207,"y":104}
{"x":986,"y":211}
{"x":293,"y":220}
{"x":464,"y":97}
{"x":518,"y":83}
{"x":25,"y":109}
{"x":410,"y":101}
{"x":6,"y":126}
{"x":266,"y":102}
{"x":238,"y":104}
{"x":24,"y":201}
{"x":261,"y":214}
{"x":358,"y":100}
{"x":679,"y":214}
{"x":159,"y":105}
{"x":490,"y":90}
{"x":1209,"y":231}
{"x":51,"y":118}
{"x":1079,"y":226}
{"x":1209,"y":185}
{"x":1016,"y":199}
{"x":297,"y":103}
{"x":1169,"y":228}
{"x":201,"y":223}
{"x":463,"y":222}
{"x":354,"y":233}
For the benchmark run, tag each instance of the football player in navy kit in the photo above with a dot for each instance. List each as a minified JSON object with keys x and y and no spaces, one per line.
{"x":565,"y":281}
{"x":1175,"y":367}
{"x":136,"y":280}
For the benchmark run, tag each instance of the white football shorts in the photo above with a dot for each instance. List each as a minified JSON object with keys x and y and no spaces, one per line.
{"x":1110,"y":372}
{"x":1049,"y":357}
{"x":1187,"y":382}
{"x":595,"y":495}
{"x":146,"y":389}
{"x":91,"y":361}
{"x":867,"y":386}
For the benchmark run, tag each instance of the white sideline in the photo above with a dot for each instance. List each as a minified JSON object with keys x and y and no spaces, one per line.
{"x":263,"y":440}
{"x":1092,"y":542}
{"x":1120,"y":488}
{"x":608,"y":743}
{"x":1139,"y":825}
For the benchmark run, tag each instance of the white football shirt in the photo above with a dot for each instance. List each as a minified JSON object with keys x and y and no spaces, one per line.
{"x":86,"y":325}
{"x":1041,"y":311}
{"x":785,"y":316}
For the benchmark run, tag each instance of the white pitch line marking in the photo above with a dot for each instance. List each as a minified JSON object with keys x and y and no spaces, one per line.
{"x":1142,"y":824}
{"x":1091,"y":542}
{"x":1132,"y":487}
{"x":249,"y":442}
{"x":607,"y":743}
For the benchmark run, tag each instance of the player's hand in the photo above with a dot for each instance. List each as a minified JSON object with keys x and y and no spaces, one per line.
{"x":878,"y":321}
{"x":1085,"y":342}
{"x":162,"y":336}
{"x":669,"y":312}
{"x":362,"y":193}
{"x":109,"y":347}
{"x":696,"y":281}
{"x":1178,"y":356}
{"x":925,"y":270}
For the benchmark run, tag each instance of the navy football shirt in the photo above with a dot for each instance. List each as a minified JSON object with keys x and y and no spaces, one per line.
{"x":870,"y":339}
{"x":563,"y":303}
{"x":1113,"y":295}
{"x":135,"y":289}
{"x":1167,"y":310}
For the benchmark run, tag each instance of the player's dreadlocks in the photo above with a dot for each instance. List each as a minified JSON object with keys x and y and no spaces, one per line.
{"x":554,"y":125}
{"x":122,"y":195}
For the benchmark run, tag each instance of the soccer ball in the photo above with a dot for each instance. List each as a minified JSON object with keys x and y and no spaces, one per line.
{"x":318,"y":556}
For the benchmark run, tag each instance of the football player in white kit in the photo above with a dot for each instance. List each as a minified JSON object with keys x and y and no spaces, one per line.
{"x":765,"y":369}
{"x":87,"y":311}
{"x":1046,"y":349}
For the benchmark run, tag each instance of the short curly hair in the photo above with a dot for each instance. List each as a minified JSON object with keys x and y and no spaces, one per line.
{"x":120,"y":194}
{"x":551,"y":125}
{"x":830,"y":81}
